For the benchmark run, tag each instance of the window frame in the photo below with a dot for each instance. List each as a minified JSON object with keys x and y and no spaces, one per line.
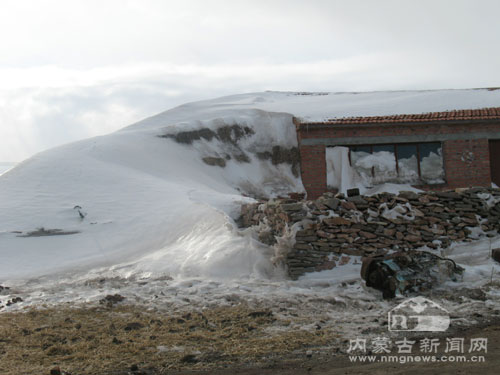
{"x":395,"y":145}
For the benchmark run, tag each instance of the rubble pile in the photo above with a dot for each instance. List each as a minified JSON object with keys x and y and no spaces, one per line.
{"x":358,"y":225}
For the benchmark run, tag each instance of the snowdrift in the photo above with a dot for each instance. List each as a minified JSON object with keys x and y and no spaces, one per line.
{"x":158,"y":197}
{"x":139,"y":196}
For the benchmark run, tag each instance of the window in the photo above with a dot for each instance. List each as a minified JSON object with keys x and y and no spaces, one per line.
{"x":431,"y":163}
{"x":407,"y":163}
{"x":417,"y":163}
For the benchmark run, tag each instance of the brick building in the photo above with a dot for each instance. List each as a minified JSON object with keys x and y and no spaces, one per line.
{"x":432,"y":151}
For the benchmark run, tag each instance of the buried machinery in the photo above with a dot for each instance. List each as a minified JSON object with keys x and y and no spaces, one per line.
{"x":407,"y":272}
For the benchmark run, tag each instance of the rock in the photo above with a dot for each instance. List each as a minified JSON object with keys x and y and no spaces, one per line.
{"x":336,"y":221}
{"x":302,"y":246}
{"x":470,"y":221}
{"x":297,"y":216}
{"x":448,"y":195}
{"x":413,"y":238}
{"x":350,"y":230}
{"x":13,"y":301}
{"x":475,"y":293}
{"x":110,"y":299}
{"x":189,"y":358}
{"x":349,"y":206}
{"x":358,"y":200}
{"x":133,"y":326}
{"x":424,"y":199}
{"x":306,"y":238}
{"x":495,"y":254}
{"x":134,"y":368}
{"x":213,"y":161}
{"x":305,"y":232}
{"x":324,"y":234}
{"x":2,"y":288}
{"x":437,"y":231}
{"x":390,"y":232}
{"x":366,"y":228}
{"x":410,"y":195}
{"x":332,"y":203}
{"x":354,"y":252}
{"x":344,"y":260}
{"x":328,"y":265}
{"x":291,"y":207}
{"x":418,"y":213}
{"x":241,"y":158}
{"x":260,"y":314}
{"x":367,"y":234}
{"x":320,"y":206}
{"x":267,"y":238}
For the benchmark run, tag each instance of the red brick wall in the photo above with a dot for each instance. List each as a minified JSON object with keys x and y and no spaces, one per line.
{"x":334,"y":131}
{"x":466,"y":162}
{"x":313,"y":170}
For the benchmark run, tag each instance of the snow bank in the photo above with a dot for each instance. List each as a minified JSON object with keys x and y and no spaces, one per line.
{"x":149,"y":204}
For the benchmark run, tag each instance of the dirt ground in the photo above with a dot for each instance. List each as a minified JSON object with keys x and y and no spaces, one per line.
{"x":118,"y":340}
{"x":340,"y":364}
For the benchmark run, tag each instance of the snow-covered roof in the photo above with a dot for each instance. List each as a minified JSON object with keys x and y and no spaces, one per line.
{"x":322,"y":106}
{"x":455,"y":115}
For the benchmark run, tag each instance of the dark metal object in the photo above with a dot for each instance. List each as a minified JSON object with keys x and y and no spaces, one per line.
{"x":407,"y":272}
{"x":352,"y":192}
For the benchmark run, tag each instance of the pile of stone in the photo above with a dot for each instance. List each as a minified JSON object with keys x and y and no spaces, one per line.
{"x":333,"y":225}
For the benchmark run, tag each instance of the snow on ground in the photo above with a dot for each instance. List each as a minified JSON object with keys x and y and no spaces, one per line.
{"x":155,"y":223}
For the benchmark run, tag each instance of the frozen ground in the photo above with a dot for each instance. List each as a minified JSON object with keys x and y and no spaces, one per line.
{"x":155,"y":223}
{"x":336,"y":298}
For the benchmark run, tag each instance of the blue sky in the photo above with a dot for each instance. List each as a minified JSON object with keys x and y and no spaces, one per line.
{"x":74,"y":69}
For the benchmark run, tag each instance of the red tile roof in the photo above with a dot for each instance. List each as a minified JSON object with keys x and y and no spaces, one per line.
{"x":455,"y":115}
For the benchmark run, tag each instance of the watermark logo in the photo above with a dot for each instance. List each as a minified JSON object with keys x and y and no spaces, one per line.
{"x":418,"y":314}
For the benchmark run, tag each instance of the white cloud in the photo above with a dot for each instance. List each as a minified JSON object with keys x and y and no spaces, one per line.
{"x":73,"y":69}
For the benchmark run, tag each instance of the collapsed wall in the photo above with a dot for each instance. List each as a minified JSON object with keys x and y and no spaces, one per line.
{"x":318,"y":232}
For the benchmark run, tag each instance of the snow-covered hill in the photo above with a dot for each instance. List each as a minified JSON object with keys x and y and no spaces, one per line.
{"x":158,"y":197}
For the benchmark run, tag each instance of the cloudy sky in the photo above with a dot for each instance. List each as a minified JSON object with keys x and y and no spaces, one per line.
{"x":73,"y":69}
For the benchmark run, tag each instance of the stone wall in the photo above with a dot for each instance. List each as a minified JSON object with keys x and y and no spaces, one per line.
{"x":322,"y":230}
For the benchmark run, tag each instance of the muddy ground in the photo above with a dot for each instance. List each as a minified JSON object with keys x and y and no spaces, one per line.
{"x":119,"y":339}
{"x":340,"y":364}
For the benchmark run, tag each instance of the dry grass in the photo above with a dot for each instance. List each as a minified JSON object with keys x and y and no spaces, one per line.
{"x":109,"y":340}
